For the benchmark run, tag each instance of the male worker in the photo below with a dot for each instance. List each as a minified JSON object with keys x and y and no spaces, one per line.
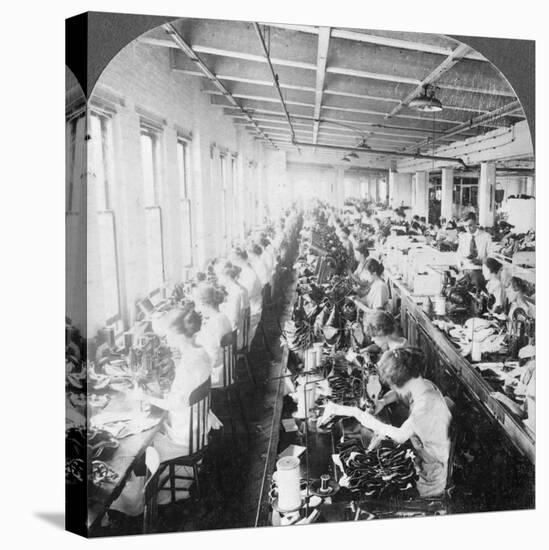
{"x":474,"y":244}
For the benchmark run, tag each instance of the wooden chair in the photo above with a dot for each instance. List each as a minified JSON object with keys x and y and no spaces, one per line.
{"x":199,"y":405}
{"x":229,"y":390}
{"x":243,"y":352}
{"x":150,"y":512}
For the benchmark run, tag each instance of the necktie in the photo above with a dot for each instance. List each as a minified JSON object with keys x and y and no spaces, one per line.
{"x":473,"y":250}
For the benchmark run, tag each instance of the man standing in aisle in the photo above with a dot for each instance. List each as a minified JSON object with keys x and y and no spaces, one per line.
{"x":474,"y":245}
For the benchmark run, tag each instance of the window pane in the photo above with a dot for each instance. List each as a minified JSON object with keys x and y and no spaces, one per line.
{"x":153,"y":227}
{"x":147,"y":159}
{"x":109,"y":273}
{"x":187,"y":233}
{"x":98,"y":161}
{"x":183,"y":170}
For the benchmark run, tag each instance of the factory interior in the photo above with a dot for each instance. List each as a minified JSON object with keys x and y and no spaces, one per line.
{"x":300,"y":268}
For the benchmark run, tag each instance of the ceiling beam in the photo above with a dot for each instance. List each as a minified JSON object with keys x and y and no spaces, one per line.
{"x":380,"y":40}
{"x":343,"y":121}
{"x":252,"y":57}
{"x":459,"y":53}
{"x":332,"y":107}
{"x":388,"y":153}
{"x":480,"y":120}
{"x":336,"y":70}
{"x":178,"y":39}
{"x":327,"y":91}
{"x":321,"y":60}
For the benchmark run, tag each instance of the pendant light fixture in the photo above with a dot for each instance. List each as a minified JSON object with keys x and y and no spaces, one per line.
{"x":426,"y":102}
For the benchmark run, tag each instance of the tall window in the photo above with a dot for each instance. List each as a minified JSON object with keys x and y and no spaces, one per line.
{"x":224,"y":192}
{"x":150,"y":159}
{"x":75,"y":169}
{"x":185,"y":197}
{"x":100,"y":133}
{"x":235,"y":199}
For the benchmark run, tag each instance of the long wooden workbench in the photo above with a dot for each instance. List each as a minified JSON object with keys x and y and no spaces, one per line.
{"x":444,"y":359}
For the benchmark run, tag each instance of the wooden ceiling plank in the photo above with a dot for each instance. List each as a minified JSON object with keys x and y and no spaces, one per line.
{"x":461,"y":51}
{"x":180,"y":42}
{"x":379,"y":40}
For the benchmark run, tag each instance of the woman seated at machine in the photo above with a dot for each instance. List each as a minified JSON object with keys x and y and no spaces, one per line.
{"x":250,"y":281}
{"x":381,"y":327}
{"x":215,"y":325}
{"x":237,"y":301}
{"x":427,"y":426}
{"x":360,"y":274}
{"x":378,"y":292}
{"x":193,"y":369}
{"x":518,"y":303}
{"x":491,"y":270}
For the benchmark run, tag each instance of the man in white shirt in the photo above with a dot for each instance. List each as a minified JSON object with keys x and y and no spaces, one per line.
{"x":475,"y":245}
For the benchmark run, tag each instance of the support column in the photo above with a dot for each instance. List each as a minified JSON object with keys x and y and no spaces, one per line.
{"x":486,"y":189}
{"x":531,"y":186}
{"x":447,"y":193}
{"x":421,"y":202}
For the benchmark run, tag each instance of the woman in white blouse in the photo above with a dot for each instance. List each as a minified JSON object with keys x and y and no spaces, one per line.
{"x":491,"y":270}
{"x":258,"y":264}
{"x":193,"y":368}
{"x":427,"y":426}
{"x":250,"y":281}
{"x":215,"y":325}
{"x":237,"y":301}
{"x":378,"y":292}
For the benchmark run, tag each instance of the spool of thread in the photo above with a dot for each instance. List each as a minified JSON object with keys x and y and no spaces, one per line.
{"x":440,"y":305}
{"x":476,"y":353}
{"x":288,"y":481}
{"x":324,"y":481}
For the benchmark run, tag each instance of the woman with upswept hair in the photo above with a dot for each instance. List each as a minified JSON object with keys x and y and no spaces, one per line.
{"x":428,"y":422}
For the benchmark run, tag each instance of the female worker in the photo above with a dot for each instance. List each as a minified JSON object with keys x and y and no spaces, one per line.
{"x":491,"y":270}
{"x":215,"y":325}
{"x":255,"y":253}
{"x":360,"y":274}
{"x":516,"y":295}
{"x":344,"y":237}
{"x":193,"y":369}
{"x":428,"y":421}
{"x":381,"y":327}
{"x":250,"y":281}
{"x":236,"y":302}
{"x":378,"y":292}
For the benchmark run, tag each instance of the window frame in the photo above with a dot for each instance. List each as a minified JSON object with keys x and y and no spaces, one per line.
{"x":186,"y":196}
{"x":154,"y":131}
{"x":107,"y":208}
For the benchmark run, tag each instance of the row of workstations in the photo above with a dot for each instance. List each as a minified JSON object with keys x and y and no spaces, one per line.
{"x":495,"y":450}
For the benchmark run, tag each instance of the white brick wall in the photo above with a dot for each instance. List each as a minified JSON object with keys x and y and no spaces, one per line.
{"x":140,"y":75}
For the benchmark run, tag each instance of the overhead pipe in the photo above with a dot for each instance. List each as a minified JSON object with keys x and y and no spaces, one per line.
{"x":384,"y":152}
{"x":192,"y":55}
{"x":480,"y":120}
{"x":275,"y":80}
